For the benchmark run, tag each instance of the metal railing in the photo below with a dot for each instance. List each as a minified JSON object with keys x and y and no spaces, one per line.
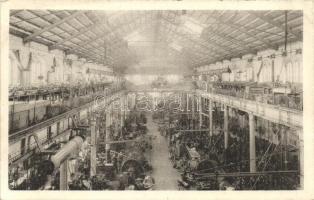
{"x":276,"y":114}
{"x":294,"y":103}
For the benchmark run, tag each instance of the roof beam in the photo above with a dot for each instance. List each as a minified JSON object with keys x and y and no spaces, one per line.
{"x":79,"y":47}
{"x":101,"y":35}
{"x":223,"y":47}
{"x":232,"y":40}
{"x":75,"y":35}
{"x":24,"y":32}
{"x":100,"y":49}
{"x":96,"y":24}
{"x":48,"y":28}
{"x":246,"y":31}
{"x":212,"y":42}
{"x":275,"y":24}
{"x":13,"y":12}
{"x":193,"y":40}
{"x":86,"y":50}
{"x":213,"y":52}
{"x":99,"y":46}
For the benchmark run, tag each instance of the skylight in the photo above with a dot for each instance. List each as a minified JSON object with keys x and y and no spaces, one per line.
{"x":193,"y":26}
{"x":136,"y":39}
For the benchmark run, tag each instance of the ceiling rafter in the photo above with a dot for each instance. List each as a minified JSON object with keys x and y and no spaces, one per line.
{"x":275,"y":24}
{"x":47,"y":28}
{"x":219,"y":45}
{"x":53,"y":14}
{"x":224,"y":31}
{"x":14,"y":12}
{"x":85,"y":44}
{"x":85,"y":49}
{"x":78,"y":21}
{"x":24,"y":32}
{"x":228,"y":38}
{"x":74,"y":35}
{"x":98,"y":49}
{"x":97,"y":24}
{"x":245,"y":31}
{"x":212,"y":51}
{"x":32,"y":24}
{"x":183,"y":40}
{"x":99,"y":46}
{"x":189,"y":38}
{"x":101,"y":34}
{"x":48,"y":22}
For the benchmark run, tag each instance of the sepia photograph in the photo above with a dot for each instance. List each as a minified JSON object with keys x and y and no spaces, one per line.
{"x":155,"y":99}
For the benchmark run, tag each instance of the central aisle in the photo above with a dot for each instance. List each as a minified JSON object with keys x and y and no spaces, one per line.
{"x":164,"y":174}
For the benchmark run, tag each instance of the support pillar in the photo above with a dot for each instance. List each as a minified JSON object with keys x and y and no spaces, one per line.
{"x":188,"y":109}
{"x":252,"y":143}
{"x":286,"y":130}
{"x":210,"y":117}
{"x":301,"y":157}
{"x":133,"y":101}
{"x":126,"y":106}
{"x":226,"y":120}
{"x":200,"y":112}
{"x":193,"y":111}
{"x":111,"y":115}
{"x":93,"y":162}
{"x":122,"y":113}
{"x":193,"y":106}
{"x":108,"y":123}
{"x":186,"y":102}
{"x":64,"y":175}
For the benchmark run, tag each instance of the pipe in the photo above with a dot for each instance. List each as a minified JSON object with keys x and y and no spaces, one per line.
{"x":72,"y":146}
{"x":59,"y":160}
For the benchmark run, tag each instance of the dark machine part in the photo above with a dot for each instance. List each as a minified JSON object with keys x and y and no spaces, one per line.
{"x":48,"y":164}
{"x":133,"y":166}
{"x":207,"y":166}
{"x":45,"y":168}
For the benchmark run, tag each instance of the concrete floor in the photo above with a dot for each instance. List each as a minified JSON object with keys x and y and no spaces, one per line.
{"x":164,"y":174}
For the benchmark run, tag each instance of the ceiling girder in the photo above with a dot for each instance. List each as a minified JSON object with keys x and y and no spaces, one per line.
{"x":47,"y":28}
{"x":275,"y":24}
{"x":232,"y":40}
{"x":193,"y":40}
{"x":101,"y":35}
{"x":75,"y":35}
{"x":246,"y":31}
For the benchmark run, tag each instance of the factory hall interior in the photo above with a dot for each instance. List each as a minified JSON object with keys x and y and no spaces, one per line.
{"x":155,"y":100}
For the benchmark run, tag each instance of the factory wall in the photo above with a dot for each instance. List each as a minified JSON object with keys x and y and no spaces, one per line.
{"x":44,"y":67}
{"x":286,"y":69}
